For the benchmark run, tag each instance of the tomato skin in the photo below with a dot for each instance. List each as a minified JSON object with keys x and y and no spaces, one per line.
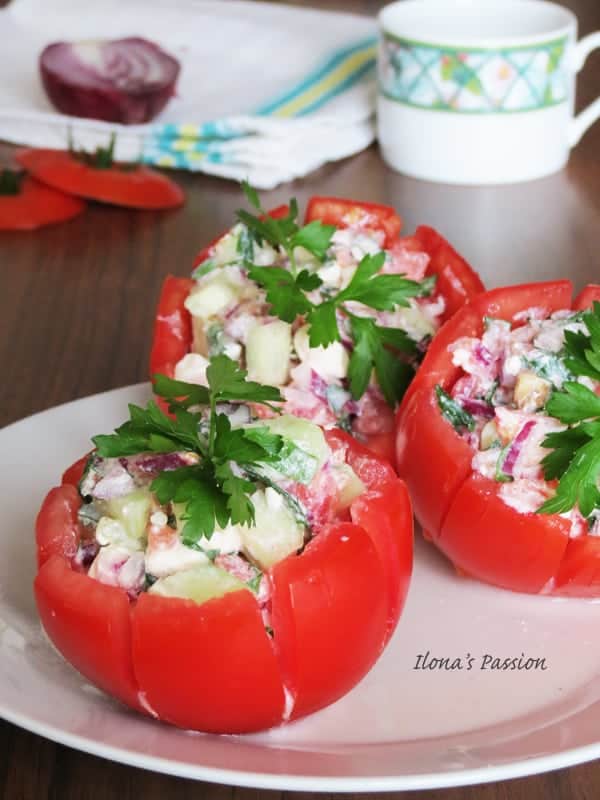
{"x":180,"y":660}
{"x":587,"y":297}
{"x":460,"y":510}
{"x":457,"y":281}
{"x":57,"y":528}
{"x":89,"y":622}
{"x":392,"y":537}
{"x":138,"y":187}
{"x":172,"y":338}
{"x":189,"y":663}
{"x":579,"y":572}
{"x":338,"y":211}
{"x":499,"y":545}
{"x":74,"y":473}
{"x":36,"y":205}
{"x":329,"y":615}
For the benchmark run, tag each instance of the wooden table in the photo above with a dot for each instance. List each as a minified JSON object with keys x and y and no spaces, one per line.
{"x":76,"y":308}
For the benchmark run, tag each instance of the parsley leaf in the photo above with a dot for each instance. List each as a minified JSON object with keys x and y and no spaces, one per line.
{"x":214,"y":490}
{"x":284,"y":293}
{"x":583,"y":350}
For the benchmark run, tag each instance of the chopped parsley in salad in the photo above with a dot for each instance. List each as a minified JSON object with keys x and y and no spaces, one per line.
{"x":529,"y":405}
{"x":205,"y":501}
{"x":326,"y":314}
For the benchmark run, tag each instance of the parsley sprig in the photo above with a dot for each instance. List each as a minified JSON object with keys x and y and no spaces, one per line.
{"x":291,"y":294}
{"x":575,"y":452}
{"x":215,"y":489}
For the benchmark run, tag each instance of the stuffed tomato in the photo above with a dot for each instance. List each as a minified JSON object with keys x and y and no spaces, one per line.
{"x":220,"y":572}
{"x":499,"y":439}
{"x":337,"y":312}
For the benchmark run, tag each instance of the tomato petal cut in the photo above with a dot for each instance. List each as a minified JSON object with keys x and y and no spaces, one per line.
{"x":74,"y":473}
{"x":371,"y":468}
{"x":57,"y":528}
{"x":386,"y":515}
{"x":172,"y":327}
{"x":587,"y":297}
{"x":579,"y":571}
{"x":498,"y":544}
{"x":209,"y":667}
{"x":135,"y":187}
{"x":342,"y":213}
{"x":330,"y":616}
{"x":89,"y":624}
{"x":506,"y":301}
{"x":456,"y":281}
{"x":431,"y":457}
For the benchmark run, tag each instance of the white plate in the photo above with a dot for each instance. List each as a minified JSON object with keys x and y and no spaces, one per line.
{"x":401,"y":728}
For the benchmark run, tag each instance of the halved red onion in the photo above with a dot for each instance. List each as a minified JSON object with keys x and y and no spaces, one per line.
{"x":123,"y":80}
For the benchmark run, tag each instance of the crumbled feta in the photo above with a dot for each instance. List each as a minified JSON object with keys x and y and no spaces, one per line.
{"x":192,"y":369}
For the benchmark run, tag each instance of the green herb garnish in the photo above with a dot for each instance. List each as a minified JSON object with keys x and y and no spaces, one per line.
{"x":456,"y":415}
{"x":288,"y":290}
{"x":215,"y":489}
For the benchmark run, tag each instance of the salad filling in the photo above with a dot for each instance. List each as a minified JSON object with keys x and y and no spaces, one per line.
{"x":510,"y":406}
{"x":208,"y":502}
{"x":291,"y":305}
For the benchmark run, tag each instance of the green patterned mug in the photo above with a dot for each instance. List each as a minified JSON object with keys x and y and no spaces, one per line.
{"x":480,"y":92}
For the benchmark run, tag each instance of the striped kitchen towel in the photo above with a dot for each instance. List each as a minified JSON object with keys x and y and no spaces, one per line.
{"x":267,"y":92}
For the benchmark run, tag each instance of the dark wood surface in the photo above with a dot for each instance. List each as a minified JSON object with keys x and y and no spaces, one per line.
{"x":76,"y":308}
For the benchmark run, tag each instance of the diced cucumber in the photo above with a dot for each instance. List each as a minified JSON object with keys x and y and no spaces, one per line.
{"x":211,"y":297}
{"x":132,"y":511}
{"x":276,"y":532}
{"x":268,"y":350}
{"x":304,"y":434}
{"x":200,"y":583}
{"x":351,"y":485}
{"x":415,"y":323}
{"x":226,"y":249}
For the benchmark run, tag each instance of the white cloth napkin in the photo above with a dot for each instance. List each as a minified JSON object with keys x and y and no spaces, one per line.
{"x":267,"y":92}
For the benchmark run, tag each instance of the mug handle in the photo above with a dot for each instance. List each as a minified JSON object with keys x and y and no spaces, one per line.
{"x":589,"y":115}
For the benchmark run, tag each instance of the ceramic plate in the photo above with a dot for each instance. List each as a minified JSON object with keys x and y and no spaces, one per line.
{"x":437,"y":709}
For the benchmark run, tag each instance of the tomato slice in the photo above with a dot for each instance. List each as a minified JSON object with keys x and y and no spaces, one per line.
{"x":57,"y":528}
{"x":587,"y":297}
{"x":456,"y":281}
{"x":131,"y":187}
{"x":89,"y":622}
{"x":275,"y":213}
{"x":35,"y":205}
{"x":342,"y":213}
{"x":506,"y":301}
{"x":210,"y":667}
{"x":497,"y":544}
{"x":371,"y":468}
{"x":330,"y":616}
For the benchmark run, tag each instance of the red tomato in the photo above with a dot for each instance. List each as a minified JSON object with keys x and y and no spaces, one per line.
{"x":35,"y":205}
{"x":132,"y":186}
{"x":460,"y":510}
{"x":456,"y":281}
{"x":172,"y":326}
{"x":586,"y":298}
{"x":74,"y":473}
{"x":212,"y":666}
{"x":342,"y":213}
{"x":89,"y":623}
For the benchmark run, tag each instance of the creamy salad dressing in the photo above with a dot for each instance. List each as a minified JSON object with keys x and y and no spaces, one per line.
{"x":131,"y":541}
{"x":230,"y":315}
{"x":509,"y":375}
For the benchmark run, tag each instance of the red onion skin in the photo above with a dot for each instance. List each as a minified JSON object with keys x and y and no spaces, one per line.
{"x":106,"y":102}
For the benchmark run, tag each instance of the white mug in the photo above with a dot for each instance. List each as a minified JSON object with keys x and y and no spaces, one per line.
{"x":477,"y":93}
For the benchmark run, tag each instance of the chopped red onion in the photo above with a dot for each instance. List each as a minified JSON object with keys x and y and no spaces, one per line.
{"x":476,"y":406}
{"x":122,"y":80}
{"x":514,"y":450}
